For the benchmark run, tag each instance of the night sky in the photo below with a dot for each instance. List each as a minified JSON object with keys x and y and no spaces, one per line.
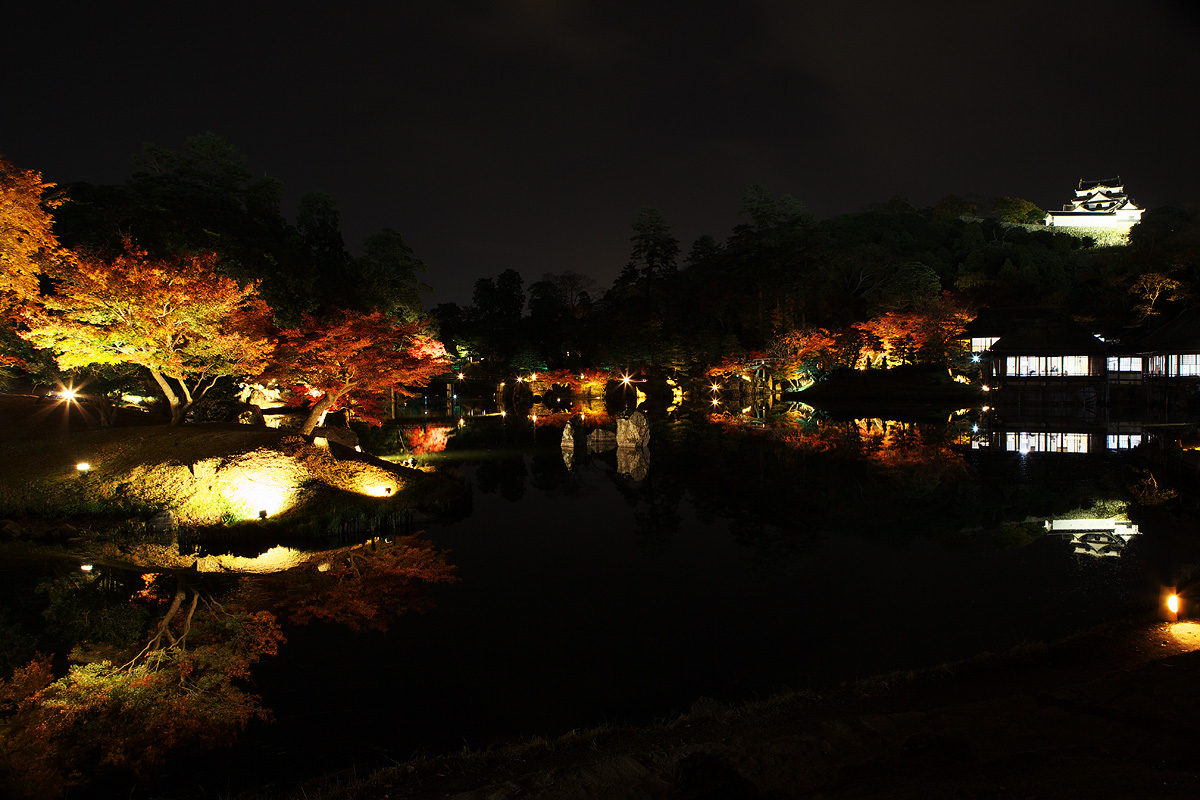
{"x":526,"y":134}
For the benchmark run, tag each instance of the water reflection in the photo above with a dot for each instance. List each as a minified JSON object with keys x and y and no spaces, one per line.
{"x":1094,"y":538}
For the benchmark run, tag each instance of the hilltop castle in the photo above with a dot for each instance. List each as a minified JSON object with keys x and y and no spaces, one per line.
{"x":1098,"y":204}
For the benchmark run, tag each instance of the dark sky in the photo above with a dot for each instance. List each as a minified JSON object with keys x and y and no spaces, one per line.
{"x":526,"y":134}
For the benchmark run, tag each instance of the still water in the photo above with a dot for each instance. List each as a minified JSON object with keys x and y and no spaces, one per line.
{"x":753,"y":557}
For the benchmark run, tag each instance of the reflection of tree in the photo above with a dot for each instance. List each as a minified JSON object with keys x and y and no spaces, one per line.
{"x":179,"y":685}
{"x":363,"y":587}
{"x":160,"y":663}
{"x":504,"y":474}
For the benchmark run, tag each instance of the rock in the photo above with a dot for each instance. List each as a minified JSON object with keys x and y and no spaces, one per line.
{"x":57,"y":533}
{"x":162,"y":521}
{"x":11,"y":530}
{"x":634,"y":462}
{"x":633,"y":432}
{"x":601,"y":440}
{"x":568,"y":437}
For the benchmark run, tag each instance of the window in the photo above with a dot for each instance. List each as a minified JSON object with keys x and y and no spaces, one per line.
{"x":981,"y":343}
{"x":1124,"y":364}
{"x":1043,"y":442}
{"x":1186,"y":365}
{"x":1047,"y":366}
{"x":1124,"y":441}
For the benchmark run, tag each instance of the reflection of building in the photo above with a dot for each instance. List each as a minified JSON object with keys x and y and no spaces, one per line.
{"x":1097,"y":538}
{"x":1097,"y":204}
{"x":1063,"y":435}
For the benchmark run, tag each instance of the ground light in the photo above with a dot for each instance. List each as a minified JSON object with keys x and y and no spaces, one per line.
{"x":83,"y":467}
{"x":1168,"y":606}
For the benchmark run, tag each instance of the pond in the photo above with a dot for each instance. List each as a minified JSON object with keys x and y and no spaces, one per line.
{"x":756,"y":555}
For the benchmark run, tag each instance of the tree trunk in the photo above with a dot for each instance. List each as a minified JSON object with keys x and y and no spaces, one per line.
{"x":179,"y":406}
{"x":316,"y":414}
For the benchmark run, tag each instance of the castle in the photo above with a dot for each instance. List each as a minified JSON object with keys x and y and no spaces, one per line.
{"x":1098,"y":204}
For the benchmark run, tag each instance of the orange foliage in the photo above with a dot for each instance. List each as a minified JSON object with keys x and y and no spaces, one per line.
{"x":175,"y":317}
{"x":27,"y":243}
{"x":367,"y":587}
{"x":429,"y":439}
{"x":349,"y":356}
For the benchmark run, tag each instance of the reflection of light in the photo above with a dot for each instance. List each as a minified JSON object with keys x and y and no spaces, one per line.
{"x":83,"y":466}
{"x":716,"y":402}
{"x":276,"y":559}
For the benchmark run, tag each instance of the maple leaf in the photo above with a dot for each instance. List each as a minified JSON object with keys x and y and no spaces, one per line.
{"x":350,"y":357}
{"x":177,"y":318}
{"x":27,"y":242}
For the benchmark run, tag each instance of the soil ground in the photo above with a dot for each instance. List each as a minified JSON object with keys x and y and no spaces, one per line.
{"x":1112,"y":713}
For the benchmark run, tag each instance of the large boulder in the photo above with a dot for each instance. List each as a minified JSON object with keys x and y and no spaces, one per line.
{"x":633,"y":432}
{"x":634,"y":462}
{"x":600,"y":440}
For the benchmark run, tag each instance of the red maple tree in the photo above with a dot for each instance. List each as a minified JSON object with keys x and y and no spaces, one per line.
{"x":347,"y":357}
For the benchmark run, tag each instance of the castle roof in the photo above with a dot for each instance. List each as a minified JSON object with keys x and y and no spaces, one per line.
{"x":1108,"y":183}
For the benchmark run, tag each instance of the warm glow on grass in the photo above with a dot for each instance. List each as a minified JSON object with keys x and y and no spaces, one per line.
{"x":258,"y":493}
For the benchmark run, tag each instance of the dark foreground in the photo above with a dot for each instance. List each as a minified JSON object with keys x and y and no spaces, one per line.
{"x":1111,"y":713}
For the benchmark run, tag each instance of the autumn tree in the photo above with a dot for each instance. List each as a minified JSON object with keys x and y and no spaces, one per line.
{"x":174,"y":317}
{"x":27,"y":242}
{"x":347,"y":357}
{"x":1017,"y":210}
{"x":805,"y":354}
{"x":1149,"y":289}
